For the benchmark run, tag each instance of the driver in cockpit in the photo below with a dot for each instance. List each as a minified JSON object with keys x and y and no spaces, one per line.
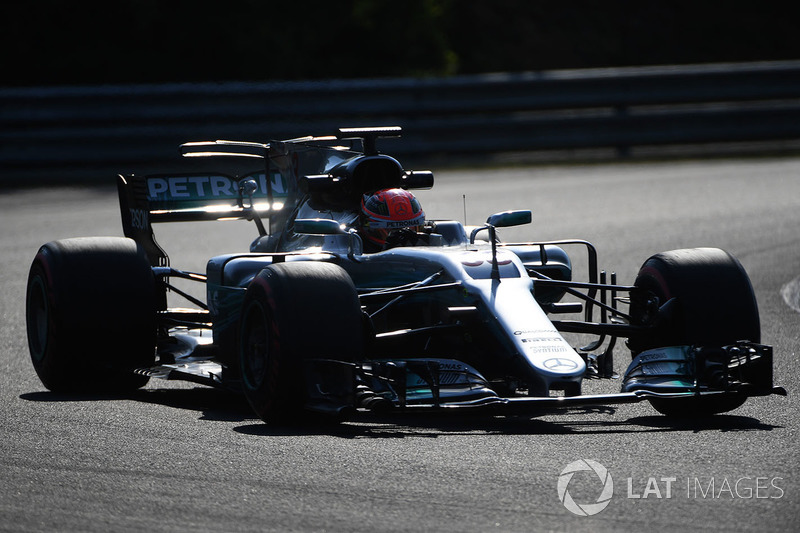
{"x":390,"y":217}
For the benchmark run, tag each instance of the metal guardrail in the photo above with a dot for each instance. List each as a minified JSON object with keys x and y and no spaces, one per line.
{"x":92,"y":133}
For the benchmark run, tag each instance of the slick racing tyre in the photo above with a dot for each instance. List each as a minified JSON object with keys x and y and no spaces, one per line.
{"x":715,"y":306}
{"x":291,"y":312}
{"x":91,"y":314}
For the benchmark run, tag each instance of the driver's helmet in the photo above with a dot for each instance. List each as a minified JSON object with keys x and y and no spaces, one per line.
{"x":387,"y":210}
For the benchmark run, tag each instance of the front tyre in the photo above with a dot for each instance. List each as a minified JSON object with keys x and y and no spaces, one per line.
{"x":293,"y":312}
{"x":715,"y":305}
{"x":90,"y":314}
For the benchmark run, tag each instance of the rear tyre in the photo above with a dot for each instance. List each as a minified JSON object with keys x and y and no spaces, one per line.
{"x":291,"y":312}
{"x":715,"y":306}
{"x":91,"y":314}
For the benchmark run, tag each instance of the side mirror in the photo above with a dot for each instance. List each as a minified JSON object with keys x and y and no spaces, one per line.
{"x":249,"y":187}
{"x":501,"y":220}
{"x":509,"y":218}
{"x":326,"y":226}
{"x":418,"y":179}
{"x":318,"y":226}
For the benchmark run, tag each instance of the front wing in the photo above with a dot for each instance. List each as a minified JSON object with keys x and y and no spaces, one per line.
{"x":741,"y":370}
{"x":416,"y":385}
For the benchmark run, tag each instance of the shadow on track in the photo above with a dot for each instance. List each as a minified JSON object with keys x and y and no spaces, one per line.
{"x":214,"y":404}
{"x":437,"y":425}
{"x":217,"y":405}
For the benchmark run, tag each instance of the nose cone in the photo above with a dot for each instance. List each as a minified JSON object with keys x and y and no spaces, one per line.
{"x":556,"y":361}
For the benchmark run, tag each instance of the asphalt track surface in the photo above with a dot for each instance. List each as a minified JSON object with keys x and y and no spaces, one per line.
{"x":180,"y":457}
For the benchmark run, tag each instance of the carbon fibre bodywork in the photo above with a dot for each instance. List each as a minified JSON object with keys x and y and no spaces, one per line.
{"x":452,"y":321}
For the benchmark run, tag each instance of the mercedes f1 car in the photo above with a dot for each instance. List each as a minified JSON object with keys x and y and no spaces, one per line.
{"x":444,"y":317}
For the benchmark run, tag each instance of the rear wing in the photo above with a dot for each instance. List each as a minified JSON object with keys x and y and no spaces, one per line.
{"x":270,"y":193}
{"x":145,"y":200}
{"x":193,"y":197}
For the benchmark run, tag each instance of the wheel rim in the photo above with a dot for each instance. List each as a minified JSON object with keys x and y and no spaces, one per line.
{"x":255,"y":342}
{"x":37,"y":318}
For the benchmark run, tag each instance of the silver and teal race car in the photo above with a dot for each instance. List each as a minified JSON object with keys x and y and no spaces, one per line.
{"x":441,"y":318}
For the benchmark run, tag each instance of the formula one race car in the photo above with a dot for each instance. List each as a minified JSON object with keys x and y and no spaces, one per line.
{"x":349,"y":300}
